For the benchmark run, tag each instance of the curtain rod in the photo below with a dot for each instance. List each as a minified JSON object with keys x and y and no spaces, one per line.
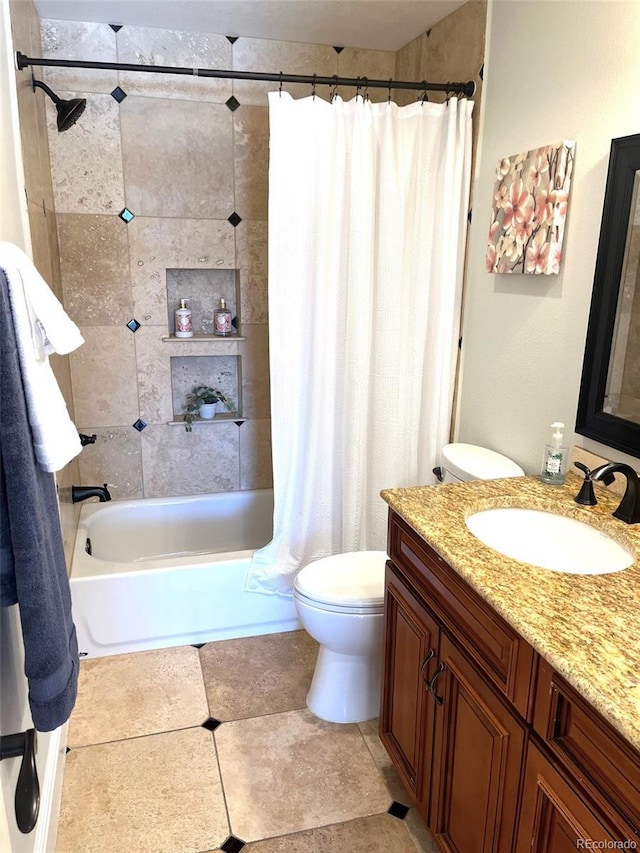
{"x":465,"y":89}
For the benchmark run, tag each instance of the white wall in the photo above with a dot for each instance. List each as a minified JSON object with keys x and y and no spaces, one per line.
{"x":554,"y":70}
{"x":14,"y":709}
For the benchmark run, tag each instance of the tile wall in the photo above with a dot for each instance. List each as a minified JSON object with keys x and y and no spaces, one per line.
{"x":188,"y":157}
{"x":183,"y":155}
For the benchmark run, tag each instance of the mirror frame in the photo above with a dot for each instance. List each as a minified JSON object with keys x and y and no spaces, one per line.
{"x":592,"y":421}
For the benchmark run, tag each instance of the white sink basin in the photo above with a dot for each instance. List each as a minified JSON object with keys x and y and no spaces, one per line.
{"x":549,"y":541}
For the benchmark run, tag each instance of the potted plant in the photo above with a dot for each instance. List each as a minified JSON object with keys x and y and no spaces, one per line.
{"x":203,"y":401}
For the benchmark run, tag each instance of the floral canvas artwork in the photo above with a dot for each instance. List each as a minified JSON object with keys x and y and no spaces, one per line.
{"x":529,"y":210}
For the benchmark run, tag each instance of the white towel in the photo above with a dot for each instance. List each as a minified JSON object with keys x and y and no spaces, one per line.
{"x":41,"y":327}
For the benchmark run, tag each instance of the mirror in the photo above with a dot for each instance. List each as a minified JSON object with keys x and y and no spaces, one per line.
{"x":609,"y":401}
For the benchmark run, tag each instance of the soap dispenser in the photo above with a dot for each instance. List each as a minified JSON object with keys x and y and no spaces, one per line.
{"x":554,"y":462}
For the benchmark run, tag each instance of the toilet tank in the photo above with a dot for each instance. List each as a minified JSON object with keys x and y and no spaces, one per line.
{"x":464,"y":462}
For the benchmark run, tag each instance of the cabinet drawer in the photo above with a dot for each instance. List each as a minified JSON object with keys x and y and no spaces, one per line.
{"x":587,"y":746}
{"x":503,"y":656}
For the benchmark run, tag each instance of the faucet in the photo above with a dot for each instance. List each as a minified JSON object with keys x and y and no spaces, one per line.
{"x":629,"y":508}
{"x":81,"y":493}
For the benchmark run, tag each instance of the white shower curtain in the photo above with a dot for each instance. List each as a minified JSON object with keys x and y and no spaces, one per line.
{"x":367,"y":221}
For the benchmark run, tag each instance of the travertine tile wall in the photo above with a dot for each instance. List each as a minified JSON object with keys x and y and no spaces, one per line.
{"x":182,"y":161}
{"x":452,"y":50}
{"x":32,"y":110}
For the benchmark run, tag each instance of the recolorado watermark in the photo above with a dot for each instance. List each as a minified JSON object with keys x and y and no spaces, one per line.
{"x":589,"y":844}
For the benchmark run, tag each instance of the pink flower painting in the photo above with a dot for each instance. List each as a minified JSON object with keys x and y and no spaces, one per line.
{"x":530,"y":204}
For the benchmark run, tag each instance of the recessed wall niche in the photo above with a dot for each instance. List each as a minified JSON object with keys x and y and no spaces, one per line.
{"x":202,"y":290}
{"x":217,"y":371}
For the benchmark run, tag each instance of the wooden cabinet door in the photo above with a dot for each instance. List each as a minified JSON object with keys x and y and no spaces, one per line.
{"x":553,"y":817}
{"x":477,"y":759}
{"x":406,"y":718}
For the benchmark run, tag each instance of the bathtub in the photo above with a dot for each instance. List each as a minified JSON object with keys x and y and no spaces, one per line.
{"x":159,"y":572}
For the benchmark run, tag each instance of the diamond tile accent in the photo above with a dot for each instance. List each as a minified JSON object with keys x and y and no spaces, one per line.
{"x":139,"y":425}
{"x":232,"y":39}
{"x":211,"y":724}
{"x":133,"y":325}
{"x":232,"y":845}
{"x":338,"y":49}
{"x":233,"y":103}
{"x":119,"y":94}
{"x":116,"y":27}
{"x":398,"y":810}
{"x":234,"y":219}
{"x":126,"y":215}
{"x":197,"y":645}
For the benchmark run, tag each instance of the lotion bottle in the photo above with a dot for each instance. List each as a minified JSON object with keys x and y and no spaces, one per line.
{"x":184,"y":321}
{"x":222,"y":320}
{"x":554,"y":461}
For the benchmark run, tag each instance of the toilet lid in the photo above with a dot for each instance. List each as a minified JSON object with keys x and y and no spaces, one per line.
{"x":468,"y":461}
{"x":355,"y":578}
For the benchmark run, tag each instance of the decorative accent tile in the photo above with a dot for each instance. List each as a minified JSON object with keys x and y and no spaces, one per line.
{"x":133,"y":325}
{"x":119,"y":94}
{"x":398,"y":810}
{"x":126,"y":215}
{"x":234,"y":219}
{"x":232,"y":845}
{"x":233,"y":103}
{"x":338,"y":49}
{"x":211,"y":724}
{"x":116,"y":27}
{"x":197,"y":645}
{"x":232,"y":39}
{"x":139,"y":425}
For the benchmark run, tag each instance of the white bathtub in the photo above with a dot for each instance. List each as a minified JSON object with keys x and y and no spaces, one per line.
{"x":171,"y":571}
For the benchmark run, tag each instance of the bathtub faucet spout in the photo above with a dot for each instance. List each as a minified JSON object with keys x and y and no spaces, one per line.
{"x":81,"y":493}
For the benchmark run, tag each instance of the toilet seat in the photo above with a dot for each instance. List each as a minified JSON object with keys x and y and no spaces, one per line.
{"x":350,"y":583}
{"x":348,"y":609}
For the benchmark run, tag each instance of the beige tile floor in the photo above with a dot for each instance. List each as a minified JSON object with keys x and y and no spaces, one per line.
{"x":143,"y":775}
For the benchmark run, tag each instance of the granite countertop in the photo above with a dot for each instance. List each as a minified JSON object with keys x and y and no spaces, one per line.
{"x":586,"y":626}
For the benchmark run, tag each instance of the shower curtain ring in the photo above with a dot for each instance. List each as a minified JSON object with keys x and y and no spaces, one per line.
{"x":389,"y":98}
{"x":313,"y":88}
{"x":365,"y":97}
{"x":358,"y":87}
{"x":280,"y":86}
{"x":334,"y":88}
{"x":424,"y":97}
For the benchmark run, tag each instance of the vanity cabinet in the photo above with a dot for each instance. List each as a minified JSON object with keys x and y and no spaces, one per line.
{"x":498,"y":752}
{"x":452,"y":670}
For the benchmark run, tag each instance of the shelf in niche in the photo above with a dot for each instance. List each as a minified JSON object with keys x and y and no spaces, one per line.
{"x":219,"y":418}
{"x":202,"y":289}
{"x":171,"y":339}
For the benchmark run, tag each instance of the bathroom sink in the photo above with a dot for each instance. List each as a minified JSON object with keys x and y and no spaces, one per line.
{"x":549,"y":541}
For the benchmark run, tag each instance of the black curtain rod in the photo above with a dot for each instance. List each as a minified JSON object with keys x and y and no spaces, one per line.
{"x":465,"y":89}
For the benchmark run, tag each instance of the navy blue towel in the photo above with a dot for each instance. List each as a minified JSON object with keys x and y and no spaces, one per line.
{"x":33,"y":572}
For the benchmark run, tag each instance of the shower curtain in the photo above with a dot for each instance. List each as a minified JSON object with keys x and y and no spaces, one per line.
{"x":367,"y":221}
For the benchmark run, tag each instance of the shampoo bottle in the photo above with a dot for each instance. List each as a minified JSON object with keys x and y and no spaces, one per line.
{"x":554,"y":462}
{"x":222,"y":320}
{"x":184,"y":321}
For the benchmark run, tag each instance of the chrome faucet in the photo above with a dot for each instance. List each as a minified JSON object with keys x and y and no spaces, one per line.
{"x":81,"y":493}
{"x":629,"y":508}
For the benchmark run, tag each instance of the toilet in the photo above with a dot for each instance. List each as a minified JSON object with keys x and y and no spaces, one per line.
{"x":340,"y":603}
{"x":464,"y":462}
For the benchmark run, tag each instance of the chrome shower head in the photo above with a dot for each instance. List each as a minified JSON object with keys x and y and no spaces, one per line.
{"x":68,"y":111}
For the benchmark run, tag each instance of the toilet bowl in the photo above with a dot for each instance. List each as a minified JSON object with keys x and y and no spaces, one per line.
{"x":340,"y":602}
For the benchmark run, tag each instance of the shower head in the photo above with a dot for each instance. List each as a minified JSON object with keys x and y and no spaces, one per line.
{"x":68,"y":111}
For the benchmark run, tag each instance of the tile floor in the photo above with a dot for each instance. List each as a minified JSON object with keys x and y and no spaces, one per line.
{"x":188,"y":750}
